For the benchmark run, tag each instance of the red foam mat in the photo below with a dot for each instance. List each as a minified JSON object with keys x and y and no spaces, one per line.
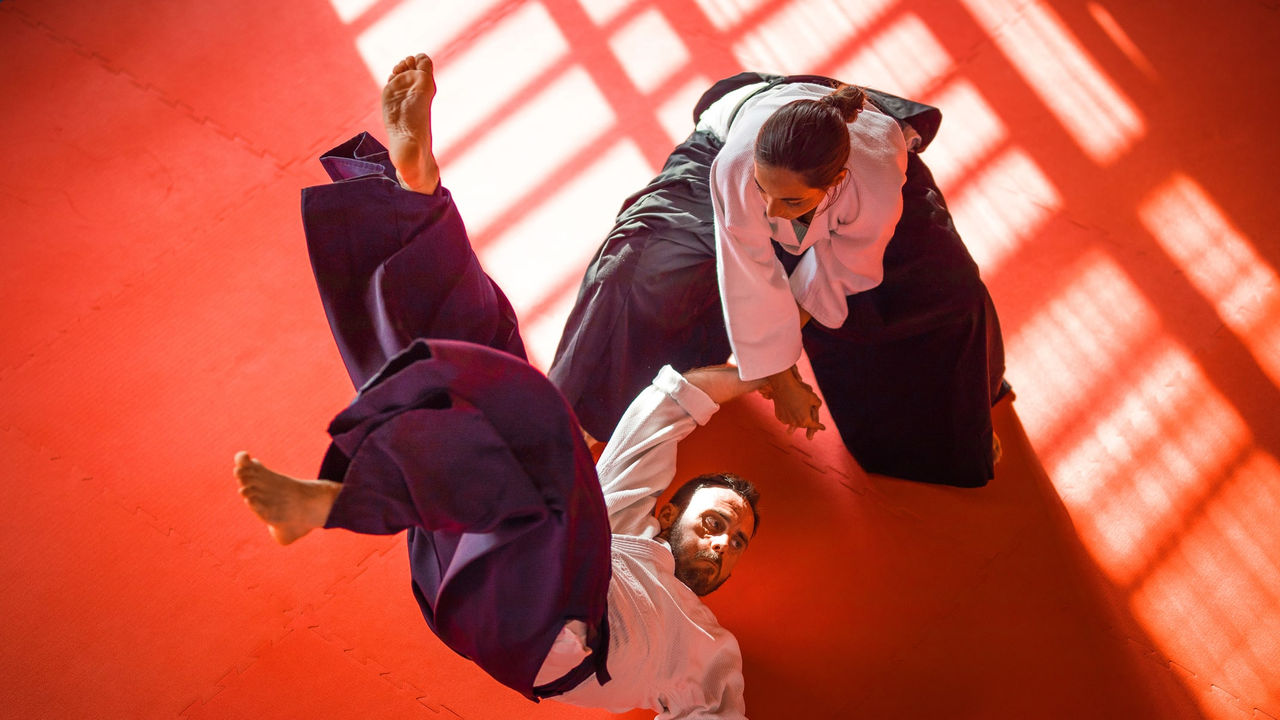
{"x":1107,"y":162}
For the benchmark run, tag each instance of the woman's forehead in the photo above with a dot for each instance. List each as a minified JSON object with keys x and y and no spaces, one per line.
{"x":781,"y":182}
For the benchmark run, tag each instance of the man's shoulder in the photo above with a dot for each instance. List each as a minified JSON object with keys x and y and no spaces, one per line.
{"x":647,"y":561}
{"x":639,"y":546}
{"x":647,"y":566}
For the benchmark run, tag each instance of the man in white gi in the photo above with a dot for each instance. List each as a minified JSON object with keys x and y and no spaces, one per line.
{"x":555,"y":584}
{"x":671,"y":655}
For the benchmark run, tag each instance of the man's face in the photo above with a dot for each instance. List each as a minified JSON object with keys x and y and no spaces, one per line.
{"x":709,"y":537}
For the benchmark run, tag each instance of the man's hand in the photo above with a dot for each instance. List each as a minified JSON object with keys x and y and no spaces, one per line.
{"x":795,"y":404}
{"x":721,"y":382}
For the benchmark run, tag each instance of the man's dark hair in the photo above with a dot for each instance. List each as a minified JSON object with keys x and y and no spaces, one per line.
{"x":725,"y":480}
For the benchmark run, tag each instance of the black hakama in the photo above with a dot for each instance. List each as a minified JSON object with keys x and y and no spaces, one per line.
{"x":909,"y":378}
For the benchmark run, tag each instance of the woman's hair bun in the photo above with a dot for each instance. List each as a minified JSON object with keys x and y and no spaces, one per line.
{"x":848,"y":100}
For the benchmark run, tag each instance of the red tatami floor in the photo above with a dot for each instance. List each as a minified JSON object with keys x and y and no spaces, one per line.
{"x":1110,"y":164}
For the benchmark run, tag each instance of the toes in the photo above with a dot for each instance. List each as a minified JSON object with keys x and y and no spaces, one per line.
{"x":244,"y":473}
{"x":253,"y":499}
{"x":401,"y":66}
{"x":259,"y":508}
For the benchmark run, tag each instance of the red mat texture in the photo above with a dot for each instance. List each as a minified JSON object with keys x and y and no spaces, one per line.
{"x":1109,"y":163}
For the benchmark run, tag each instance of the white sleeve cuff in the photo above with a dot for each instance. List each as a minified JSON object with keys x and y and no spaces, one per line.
{"x":693,"y":401}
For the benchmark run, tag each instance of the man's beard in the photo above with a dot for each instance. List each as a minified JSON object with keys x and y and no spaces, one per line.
{"x":695,"y":576}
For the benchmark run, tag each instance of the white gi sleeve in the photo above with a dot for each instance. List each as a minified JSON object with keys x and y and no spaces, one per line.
{"x":640,"y":460}
{"x":759,"y":309}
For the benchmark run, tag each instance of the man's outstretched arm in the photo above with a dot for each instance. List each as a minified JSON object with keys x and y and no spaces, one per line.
{"x":721,"y":383}
{"x":640,"y":460}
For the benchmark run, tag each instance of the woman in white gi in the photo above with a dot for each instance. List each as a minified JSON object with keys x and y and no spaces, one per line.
{"x":816,"y":225}
{"x":786,"y":177}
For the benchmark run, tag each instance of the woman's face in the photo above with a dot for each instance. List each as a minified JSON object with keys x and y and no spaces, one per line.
{"x":785,"y":193}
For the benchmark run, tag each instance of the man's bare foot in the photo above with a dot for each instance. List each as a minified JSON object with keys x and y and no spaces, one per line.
{"x":406,"y":112}
{"x":290,"y":507}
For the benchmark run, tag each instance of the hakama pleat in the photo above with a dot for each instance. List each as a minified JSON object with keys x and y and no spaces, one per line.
{"x":649,"y":297}
{"x":453,"y":436}
{"x":911,"y":376}
{"x":393,"y":265}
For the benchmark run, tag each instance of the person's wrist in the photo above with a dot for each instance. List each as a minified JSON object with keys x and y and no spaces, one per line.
{"x":784,"y":380}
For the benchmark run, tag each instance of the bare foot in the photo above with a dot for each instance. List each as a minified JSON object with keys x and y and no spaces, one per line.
{"x":406,"y":112}
{"x":290,"y":507}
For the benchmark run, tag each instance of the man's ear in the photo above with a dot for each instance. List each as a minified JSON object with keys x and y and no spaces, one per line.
{"x":667,"y":515}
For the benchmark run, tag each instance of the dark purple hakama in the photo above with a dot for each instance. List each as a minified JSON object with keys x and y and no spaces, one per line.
{"x":453,"y":437}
